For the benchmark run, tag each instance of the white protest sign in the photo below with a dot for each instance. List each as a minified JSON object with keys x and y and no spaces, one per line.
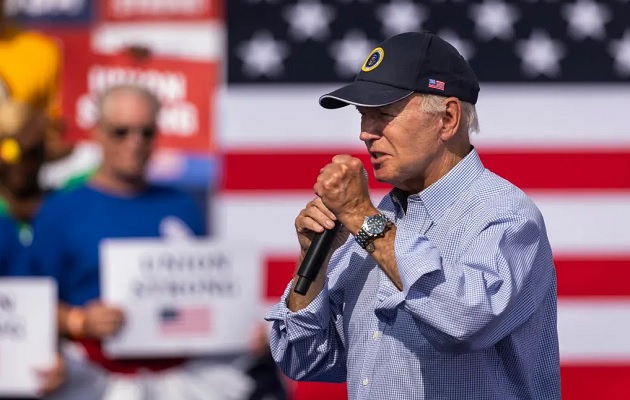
{"x":28,"y":333}
{"x":181,"y":297}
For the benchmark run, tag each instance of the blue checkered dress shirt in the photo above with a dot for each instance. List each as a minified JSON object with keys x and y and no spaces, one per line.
{"x":477,"y":315}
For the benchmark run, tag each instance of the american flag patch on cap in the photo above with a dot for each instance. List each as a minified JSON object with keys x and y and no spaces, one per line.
{"x":435,"y":84}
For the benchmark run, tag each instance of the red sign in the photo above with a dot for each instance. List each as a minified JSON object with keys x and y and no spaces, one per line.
{"x":161,"y":10}
{"x":185,"y":88}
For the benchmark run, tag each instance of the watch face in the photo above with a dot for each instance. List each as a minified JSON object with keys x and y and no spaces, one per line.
{"x":375,"y":225}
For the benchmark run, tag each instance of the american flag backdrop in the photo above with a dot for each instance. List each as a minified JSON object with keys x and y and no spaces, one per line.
{"x":553,"y":108}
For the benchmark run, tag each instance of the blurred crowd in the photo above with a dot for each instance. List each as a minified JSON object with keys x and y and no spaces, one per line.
{"x":56,"y":231}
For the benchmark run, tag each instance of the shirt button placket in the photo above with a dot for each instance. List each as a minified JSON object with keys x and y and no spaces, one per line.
{"x":369,"y":366}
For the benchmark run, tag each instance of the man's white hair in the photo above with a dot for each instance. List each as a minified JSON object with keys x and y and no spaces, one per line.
{"x":433,"y":104}
{"x":103,"y":98}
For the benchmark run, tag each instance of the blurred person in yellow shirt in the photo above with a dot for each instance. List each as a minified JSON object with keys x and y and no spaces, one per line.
{"x":30,"y":73}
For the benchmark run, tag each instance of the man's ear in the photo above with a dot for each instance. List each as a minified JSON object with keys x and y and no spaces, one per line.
{"x":451,"y":118}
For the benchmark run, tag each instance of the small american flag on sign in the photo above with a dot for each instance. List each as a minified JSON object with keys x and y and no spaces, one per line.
{"x":185,"y":320}
{"x":435,"y":84}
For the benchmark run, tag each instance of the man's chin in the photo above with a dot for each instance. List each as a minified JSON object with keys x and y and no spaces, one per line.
{"x":381,"y":175}
{"x":135,"y":178}
{"x":132,"y":177}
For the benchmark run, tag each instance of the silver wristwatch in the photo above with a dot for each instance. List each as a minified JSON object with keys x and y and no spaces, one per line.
{"x":374,"y":226}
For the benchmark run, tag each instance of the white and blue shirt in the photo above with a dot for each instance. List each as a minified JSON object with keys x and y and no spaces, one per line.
{"x":476,"y":318}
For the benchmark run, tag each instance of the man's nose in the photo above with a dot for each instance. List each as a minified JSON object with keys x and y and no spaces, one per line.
{"x":369,"y":132}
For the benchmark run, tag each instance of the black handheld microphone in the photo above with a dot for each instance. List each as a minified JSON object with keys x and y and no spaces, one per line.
{"x":314,"y":259}
{"x":315,"y":256}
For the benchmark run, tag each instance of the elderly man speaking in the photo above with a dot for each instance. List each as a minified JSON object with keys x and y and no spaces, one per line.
{"x":446,"y":289}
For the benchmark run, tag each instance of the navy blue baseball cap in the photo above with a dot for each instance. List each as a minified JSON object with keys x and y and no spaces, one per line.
{"x":404,"y":64}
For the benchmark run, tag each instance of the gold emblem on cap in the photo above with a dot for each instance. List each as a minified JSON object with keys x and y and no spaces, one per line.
{"x":373,"y":60}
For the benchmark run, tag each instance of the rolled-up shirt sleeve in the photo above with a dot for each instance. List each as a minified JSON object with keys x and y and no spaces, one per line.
{"x":306,"y":344}
{"x":488,"y":291}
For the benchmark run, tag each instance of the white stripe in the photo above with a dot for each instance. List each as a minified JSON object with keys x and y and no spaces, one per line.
{"x":258,"y":218}
{"x":577,"y":223}
{"x":591,"y":223}
{"x":534,"y":116}
{"x":592,"y":330}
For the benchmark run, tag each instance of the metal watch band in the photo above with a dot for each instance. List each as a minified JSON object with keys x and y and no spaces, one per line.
{"x":364,"y":239}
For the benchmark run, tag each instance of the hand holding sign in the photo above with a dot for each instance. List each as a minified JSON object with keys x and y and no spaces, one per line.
{"x":181,"y":296}
{"x":28,"y":335}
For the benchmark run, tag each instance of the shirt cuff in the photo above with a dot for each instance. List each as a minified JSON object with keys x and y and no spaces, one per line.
{"x":307,"y":322}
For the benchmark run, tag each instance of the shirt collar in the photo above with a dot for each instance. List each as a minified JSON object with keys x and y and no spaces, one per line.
{"x":442,"y":194}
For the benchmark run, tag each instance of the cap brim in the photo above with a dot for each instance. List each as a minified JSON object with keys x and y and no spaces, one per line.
{"x":364,"y":94}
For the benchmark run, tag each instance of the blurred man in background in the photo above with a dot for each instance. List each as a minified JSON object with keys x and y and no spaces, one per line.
{"x":22,"y":154}
{"x":116,"y":202}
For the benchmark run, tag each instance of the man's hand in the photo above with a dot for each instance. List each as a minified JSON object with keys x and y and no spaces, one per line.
{"x":102,"y":321}
{"x":314,"y":218}
{"x":342,"y":187}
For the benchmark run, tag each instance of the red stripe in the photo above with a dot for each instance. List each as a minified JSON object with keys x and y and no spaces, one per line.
{"x":593,"y":276}
{"x":588,"y":276}
{"x":578,"y":383}
{"x":284,"y":170}
{"x":595,"y":382}
{"x":318,"y":391}
{"x":278,"y":272}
